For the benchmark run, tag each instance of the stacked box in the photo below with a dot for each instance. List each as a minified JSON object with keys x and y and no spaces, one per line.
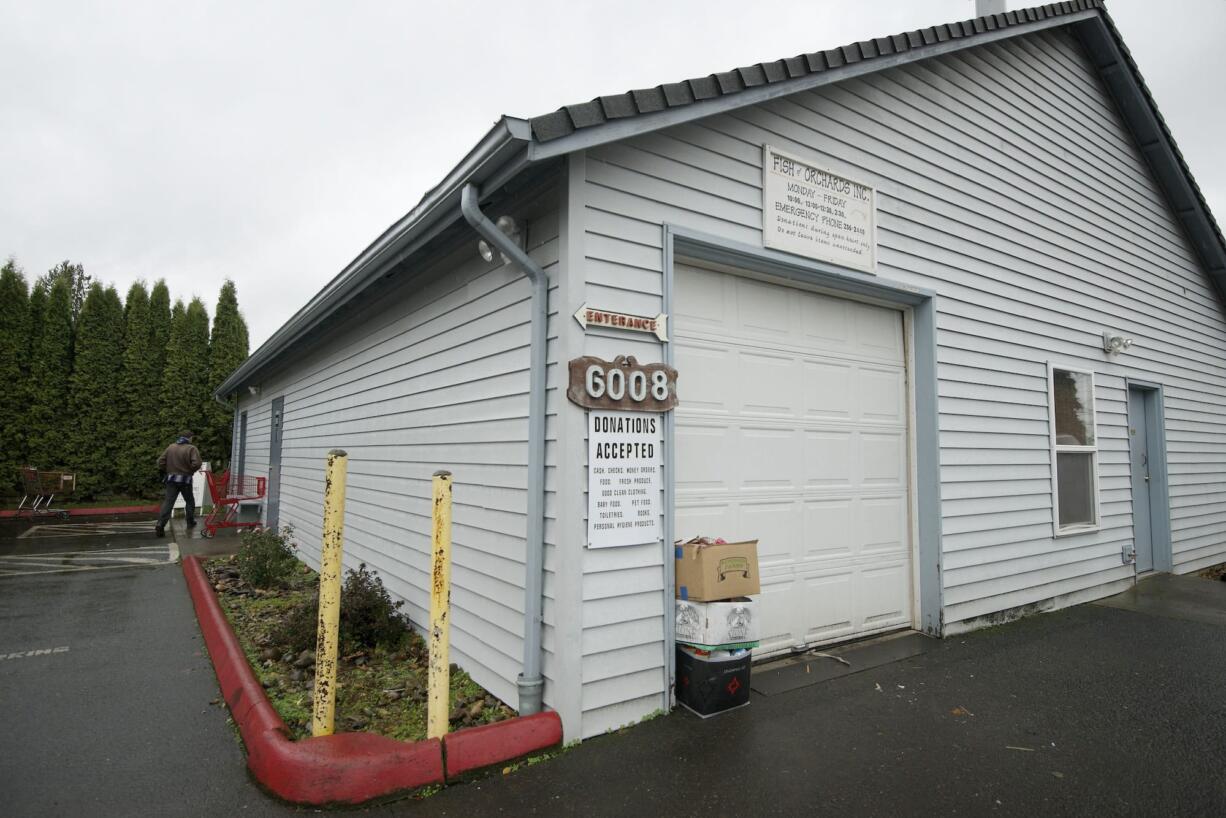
{"x":708,"y":571}
{"x":725,"y":625}
{"x":713,"y":682}
{"x":716,"y":627}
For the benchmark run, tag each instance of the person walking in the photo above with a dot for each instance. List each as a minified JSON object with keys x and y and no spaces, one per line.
{"x":179,"y":462}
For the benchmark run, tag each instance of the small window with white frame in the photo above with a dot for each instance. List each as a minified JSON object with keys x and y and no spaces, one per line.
{"x":1074,"y":444}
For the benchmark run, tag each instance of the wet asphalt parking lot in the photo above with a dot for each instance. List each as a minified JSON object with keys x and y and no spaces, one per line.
{"x":111,"y":708}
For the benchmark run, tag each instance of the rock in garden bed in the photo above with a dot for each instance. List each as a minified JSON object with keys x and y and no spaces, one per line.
{"x":381,"y":675}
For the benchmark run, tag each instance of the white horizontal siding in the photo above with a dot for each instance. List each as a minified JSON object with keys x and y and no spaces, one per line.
{"x":432,"y":375}
{"x":1007,"y":184}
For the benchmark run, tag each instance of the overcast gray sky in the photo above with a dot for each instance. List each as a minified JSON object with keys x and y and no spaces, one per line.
{"x":270,"y":142}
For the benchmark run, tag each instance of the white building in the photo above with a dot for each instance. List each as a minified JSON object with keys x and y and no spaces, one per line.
{"x":963,"y":370}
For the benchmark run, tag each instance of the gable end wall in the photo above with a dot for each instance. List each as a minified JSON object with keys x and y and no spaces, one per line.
{"x":1008,"y":185}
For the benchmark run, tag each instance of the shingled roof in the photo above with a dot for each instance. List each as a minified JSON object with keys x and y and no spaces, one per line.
{"x":609,"y":118}
{"x":570,"y":118}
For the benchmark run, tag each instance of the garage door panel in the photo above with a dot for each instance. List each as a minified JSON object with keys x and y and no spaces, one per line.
{"x":769,"y":459}
{"x":830,"y":528}
{"x":706,"y":459}
{"x":765,"y":384}
{"x":692,"y":521}
{"x":762,"y":311}
{"x":829,"y":461}
{"x":878,"y":332}
{"x":799,"y":401}
{"x":883,"y":459}
{"x":776,"y":615}
{"x":827,"y":600}
{"x":825,"y":324}
{"x":777,"y":527}
{"x":883,"y":525}
{"x":705,"y":368}
{"x":705,"y":304}
{"x":829,"y":392}
{"x":881,"y":589}
{"x":883,"y":395}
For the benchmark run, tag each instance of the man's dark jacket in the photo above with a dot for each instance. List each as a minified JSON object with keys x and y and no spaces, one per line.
{"x":180,"y":458}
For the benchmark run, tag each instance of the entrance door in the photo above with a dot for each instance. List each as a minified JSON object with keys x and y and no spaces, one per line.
{"x":1141,"y":431}
{"x":242,"y":445}
{"x":792,"y":429}
{"x":274,"y":464}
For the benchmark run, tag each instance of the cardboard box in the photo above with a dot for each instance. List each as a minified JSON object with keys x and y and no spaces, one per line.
{"x":717,"y":625}
{"x":712,"y":684}
{"x":718,"y":571}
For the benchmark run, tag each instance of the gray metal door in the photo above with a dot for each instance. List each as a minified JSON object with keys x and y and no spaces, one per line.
{"x":273,"y":519}
{"x":1139,"y":434}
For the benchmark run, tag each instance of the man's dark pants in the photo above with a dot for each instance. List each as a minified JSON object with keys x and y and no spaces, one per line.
{"x":173,"y":490}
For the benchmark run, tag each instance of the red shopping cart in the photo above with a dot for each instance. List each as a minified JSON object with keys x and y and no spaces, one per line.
{"x":228,"y":492}
{"x":41,"y":487}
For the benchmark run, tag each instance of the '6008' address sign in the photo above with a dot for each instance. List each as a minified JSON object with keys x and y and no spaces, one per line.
{"x":622,"y":383}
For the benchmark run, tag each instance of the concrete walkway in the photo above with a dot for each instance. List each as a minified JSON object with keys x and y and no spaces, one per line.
{"x":1096,"y":710}
{"x":1117,"y":708}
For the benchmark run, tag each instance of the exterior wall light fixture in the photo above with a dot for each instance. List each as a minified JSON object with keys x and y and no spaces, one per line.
{"x":1113,"y":344}
{"x":508,"y":226}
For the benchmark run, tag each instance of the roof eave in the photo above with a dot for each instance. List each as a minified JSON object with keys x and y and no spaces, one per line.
{"x":1123,"y":81}
{"x":496,"y":158}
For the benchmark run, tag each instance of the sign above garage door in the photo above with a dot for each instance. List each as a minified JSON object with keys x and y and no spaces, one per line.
{"x":813,"y":212}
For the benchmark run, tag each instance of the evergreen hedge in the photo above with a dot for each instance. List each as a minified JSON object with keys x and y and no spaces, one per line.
{"x":100,"y":387}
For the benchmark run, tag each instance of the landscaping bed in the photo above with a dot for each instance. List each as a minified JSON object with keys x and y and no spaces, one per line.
{"x":382,"y":668}
{"x":1214,"y":572}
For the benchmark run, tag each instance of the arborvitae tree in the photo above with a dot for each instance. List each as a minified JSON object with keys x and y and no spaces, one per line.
{"x":14,"y":369}
{"x":49,"y":422}
{"x":78,"y":283}
{"x":38,"y":307}
{"x":140,"y":381}
{"x":196,"y":373}
{"x":93,"y":404}
{"x":184,"y":391}
{"x":172,"y":400}
{"x":159,"y":324}
{"x":227,"y":349}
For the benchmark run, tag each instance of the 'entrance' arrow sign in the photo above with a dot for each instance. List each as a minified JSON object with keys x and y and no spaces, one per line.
{"x":590,"y":316}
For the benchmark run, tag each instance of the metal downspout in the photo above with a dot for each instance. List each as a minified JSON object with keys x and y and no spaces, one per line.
{"x":531,"y":684}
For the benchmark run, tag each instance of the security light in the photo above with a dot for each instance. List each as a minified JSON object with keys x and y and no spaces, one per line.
{"x":1115,"y":343}
{"x":510,"y":228}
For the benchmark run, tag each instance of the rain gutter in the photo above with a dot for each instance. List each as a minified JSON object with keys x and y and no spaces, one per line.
{"x":531,"y":683}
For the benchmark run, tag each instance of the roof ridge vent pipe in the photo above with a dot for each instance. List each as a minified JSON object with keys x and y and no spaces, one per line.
{"x":531,"y":684}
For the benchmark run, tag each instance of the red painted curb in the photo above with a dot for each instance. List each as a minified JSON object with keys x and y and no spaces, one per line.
{"x":346,"y":768}
{"x":489,"y":744}
{"x":92,"y":512}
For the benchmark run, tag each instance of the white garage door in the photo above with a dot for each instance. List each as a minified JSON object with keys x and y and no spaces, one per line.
{"x":792,"y":429}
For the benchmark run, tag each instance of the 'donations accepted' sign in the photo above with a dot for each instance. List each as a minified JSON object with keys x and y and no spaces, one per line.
{"x":623,"y":461}
{"x":812,"y":212}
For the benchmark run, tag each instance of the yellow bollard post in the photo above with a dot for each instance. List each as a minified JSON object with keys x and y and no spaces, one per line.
{"x":439,"y":690}
{"x":324,"y":703}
